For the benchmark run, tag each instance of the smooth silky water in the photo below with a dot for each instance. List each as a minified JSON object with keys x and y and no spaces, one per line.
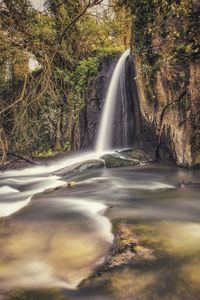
{"x":50,"y":240}
{"x":60,"y":236}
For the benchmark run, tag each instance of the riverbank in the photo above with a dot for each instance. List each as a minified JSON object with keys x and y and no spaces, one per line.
{"x":118,"y":158}
{"x":18,"y":163}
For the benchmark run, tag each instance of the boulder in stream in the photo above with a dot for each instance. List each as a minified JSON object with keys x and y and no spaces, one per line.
{"x":125,"y":251}
{"x":115,"y":160}
{"x":189,"y":184}
{"x":137,"y":153}
{"x":81,"y":167}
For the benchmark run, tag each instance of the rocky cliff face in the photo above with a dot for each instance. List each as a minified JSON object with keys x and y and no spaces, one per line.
{"x":167,"y":70}
{"x":162,"y":86}
{"x":163,"y":116}
{"x":170,"y":125}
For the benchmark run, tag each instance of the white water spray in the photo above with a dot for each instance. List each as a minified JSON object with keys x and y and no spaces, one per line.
{"x":106,"y":122}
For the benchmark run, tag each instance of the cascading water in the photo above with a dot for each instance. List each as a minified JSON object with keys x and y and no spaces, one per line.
{"x":105,"y":131}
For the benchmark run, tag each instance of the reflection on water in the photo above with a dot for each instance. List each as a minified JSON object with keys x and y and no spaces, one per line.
{"x":60,"y":236}
{"x":39,"y":257}
{"x":175,"y":272}
{"x":53,"y":243}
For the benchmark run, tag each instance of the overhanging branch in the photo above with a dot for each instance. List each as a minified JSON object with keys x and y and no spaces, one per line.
{"x":73,"y":22}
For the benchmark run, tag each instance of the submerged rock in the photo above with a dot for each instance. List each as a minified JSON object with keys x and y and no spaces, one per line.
{"x":126,"y":250}
{"x":71,"y":184}
{"x":121,"y":158}
{"x":127,"y":157}
{"x":81,"y":167}
{"x":116,"y":160}
{"x":190,"y":184}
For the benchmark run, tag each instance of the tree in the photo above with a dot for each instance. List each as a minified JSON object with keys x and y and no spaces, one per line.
{"x":39,"y":110}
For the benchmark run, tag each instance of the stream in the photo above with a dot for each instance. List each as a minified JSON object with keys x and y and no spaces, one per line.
{"x":50,"y":241}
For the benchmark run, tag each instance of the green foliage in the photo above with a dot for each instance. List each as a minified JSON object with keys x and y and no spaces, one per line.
{"x":176,"y":21}
{"x":86,"y":70}
{"x":111,"y":50}
{"x":45,"y":153}
{"x":43,"y":107}
{"x":43,"y":27}
{"x":50,"y":152}
{"x":165,"y":35}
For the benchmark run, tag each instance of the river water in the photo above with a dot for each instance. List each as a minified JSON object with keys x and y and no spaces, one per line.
{"x":50,"y":242}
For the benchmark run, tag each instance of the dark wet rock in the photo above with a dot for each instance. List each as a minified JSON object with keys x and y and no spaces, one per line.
{"x":126,"y":250}
{"x":189,"y":184}
{"x":81,"y":167}
{"x":116,"y":160}
{"x":90,"y":115}
{"x":138,"y":154}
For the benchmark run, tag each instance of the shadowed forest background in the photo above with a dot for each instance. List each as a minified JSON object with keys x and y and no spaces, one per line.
{"x":40,"y":108}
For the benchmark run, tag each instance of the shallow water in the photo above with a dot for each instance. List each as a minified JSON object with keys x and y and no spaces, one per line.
{"x":54,"y":239}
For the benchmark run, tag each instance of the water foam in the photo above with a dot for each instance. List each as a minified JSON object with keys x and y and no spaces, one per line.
{"x":7,"y":190}
{"x":9,"y":208}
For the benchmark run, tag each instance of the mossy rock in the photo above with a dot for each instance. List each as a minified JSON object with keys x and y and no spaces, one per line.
{"x":116,"y":160}
{"x":138,"y":154}
{"x":125,"y":251}
{"x":81,"y":167}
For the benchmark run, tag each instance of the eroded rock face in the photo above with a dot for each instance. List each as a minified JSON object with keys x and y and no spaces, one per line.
{"x":90,"y":115}
{"x":171,"y":125}
{"x":167,"y":77}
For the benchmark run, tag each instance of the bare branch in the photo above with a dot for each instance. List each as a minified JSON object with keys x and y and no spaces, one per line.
{"x":18,"y":100}
{"x":73,"y":22}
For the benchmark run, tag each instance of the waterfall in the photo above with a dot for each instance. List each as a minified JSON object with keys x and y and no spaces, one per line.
{"x":105,"y":130}
{"x":109,"y":122}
